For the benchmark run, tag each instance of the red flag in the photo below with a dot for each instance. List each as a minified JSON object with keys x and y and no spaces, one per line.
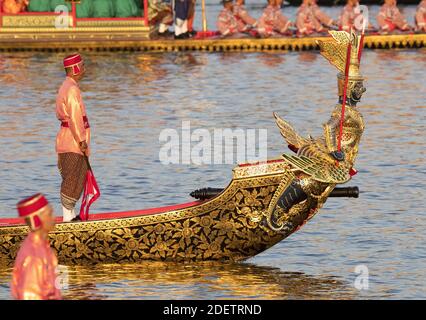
{"x":91,"y":193}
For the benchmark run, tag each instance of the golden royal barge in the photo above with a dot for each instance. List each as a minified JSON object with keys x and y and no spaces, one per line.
{"x":36,"y":31}
{"x":230,"y":226}
{"x":263,"y":204}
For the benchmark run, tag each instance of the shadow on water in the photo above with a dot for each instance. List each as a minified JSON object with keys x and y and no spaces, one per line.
{"x":158,"y":280}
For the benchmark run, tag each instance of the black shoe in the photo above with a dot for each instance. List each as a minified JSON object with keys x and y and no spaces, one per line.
{"x":183,"y":36}
{"x":165,"y":34}
{"x":193,"y":33}
{"x":76,"y":219}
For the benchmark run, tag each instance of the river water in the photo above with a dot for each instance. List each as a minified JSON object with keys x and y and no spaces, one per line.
{"x":132,"y":97}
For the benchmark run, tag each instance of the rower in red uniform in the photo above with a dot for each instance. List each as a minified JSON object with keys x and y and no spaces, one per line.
{"x":311,"y":19}
{"x":273,"y":22}
{"x":226,"y":21}
{"x":421,"y":16}
{"x":73,"y":139}
{"x":244,"y":21}
{"x":283,"y":23}
{"x":351,"y":17}
{"x":390,"y":18}
{"x":34,"y":274}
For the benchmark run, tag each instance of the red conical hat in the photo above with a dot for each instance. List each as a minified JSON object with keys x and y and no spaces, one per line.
{"x":74,"y":61}
{"x":31,"y":208}
{"x":31,"y":205}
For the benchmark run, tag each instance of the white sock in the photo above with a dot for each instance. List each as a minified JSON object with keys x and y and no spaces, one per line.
{"x":179,"y":26}
{"x":185,"y":26}
{"x":68,"y":215}
{"x":162,"y":28}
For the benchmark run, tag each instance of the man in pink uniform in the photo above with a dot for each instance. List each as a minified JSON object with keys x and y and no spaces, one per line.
{"x":421,"y":16}
{"x":226,"y":21}
{"x":34,"y":274}
{"x":311,"y":19}
{"x":272,"y":21}
{"x":72,"y":141}
{"x":390,"y":18}
{"x":244,"y":21}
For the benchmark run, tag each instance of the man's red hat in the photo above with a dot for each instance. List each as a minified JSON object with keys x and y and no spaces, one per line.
{"x":73,"y":61}
{"x":31,"y":207}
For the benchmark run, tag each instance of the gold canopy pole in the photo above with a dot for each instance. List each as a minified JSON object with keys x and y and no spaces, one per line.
{"x":203,"y":11}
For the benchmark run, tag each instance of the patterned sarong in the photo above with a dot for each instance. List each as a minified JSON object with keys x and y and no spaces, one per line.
{"x":73,"y":168}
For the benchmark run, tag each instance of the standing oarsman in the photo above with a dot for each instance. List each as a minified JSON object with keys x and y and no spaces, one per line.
{"x":226,"y":21}
{"x":390,"y":18}
{"x":244,"y":20}
{"x":34,"y":274}
{"x":421,"y":16}
{"x":181,"y":19}
{"x":311,"y":19}
{"x":72,"y":141}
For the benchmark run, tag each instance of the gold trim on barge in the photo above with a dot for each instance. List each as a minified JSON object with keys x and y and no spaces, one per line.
{"x":138,"y":39}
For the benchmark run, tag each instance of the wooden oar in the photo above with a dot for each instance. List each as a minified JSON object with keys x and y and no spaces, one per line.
{"x":342,"y":192}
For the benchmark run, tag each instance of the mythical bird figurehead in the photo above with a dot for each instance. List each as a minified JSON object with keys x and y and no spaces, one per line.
{"x":335,"y":51}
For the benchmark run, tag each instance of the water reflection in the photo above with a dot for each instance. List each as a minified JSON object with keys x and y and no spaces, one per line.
{"x":156,"y":280}
{"x":307,"y":57}
{"x":13,"y":70}
{"x":271,"y":59}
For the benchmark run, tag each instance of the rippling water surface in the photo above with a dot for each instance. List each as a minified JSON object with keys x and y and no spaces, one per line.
{"x":132,"y":97}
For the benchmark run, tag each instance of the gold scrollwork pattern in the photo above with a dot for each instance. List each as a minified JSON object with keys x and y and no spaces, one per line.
{"x":30,"y":21}
{"x":229,"y":227}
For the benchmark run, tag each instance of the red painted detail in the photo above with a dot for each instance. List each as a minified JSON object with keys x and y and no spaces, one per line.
{"x":74,"y":14}
{"x":353,"y":172}
{"x":113,"y":215}
{"x":259,"y":163}
{"x":145,"y":11}
{"x":1,"y":13}
{"x":206,"y":34}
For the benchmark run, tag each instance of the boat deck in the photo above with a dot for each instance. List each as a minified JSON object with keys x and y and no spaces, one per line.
{"x":53,"y":31}
{"x":137,"y":39}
